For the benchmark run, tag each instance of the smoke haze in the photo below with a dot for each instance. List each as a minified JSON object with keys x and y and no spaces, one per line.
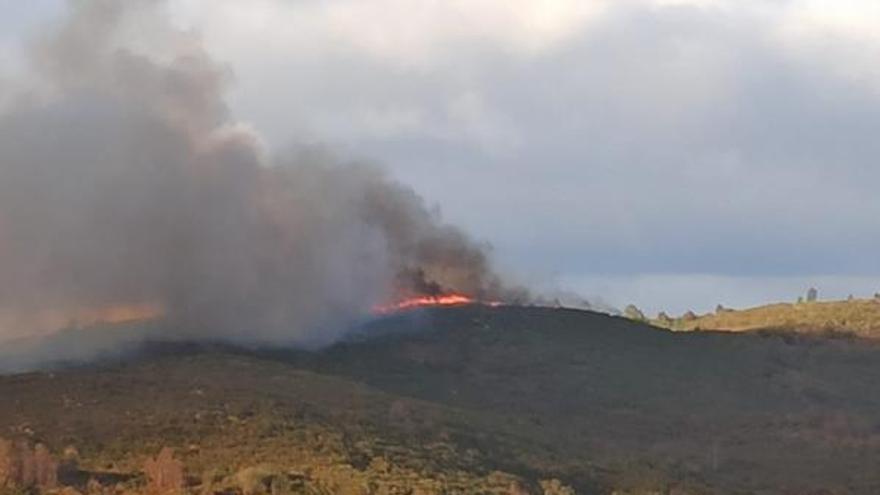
{"x":127,"y":187}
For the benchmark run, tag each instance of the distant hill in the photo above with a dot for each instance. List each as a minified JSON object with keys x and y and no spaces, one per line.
{"x":506,"y":400}
{"x":858,"y":316}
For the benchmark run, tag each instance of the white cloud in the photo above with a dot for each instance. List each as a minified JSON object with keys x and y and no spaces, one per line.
{"x":471,"y":118}
{"x":842,"y":33}
{"x":409,"y":33}
{"x":850,"y":18}
{"x":371,"y":122}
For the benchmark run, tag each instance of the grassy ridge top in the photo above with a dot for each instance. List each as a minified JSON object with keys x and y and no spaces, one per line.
{"x":859,"y":316}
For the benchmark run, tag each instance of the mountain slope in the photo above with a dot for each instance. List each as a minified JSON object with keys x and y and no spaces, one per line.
{"x":481,"y":400}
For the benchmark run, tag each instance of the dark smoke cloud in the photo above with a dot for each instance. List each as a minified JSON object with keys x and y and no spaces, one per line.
{"x":124,"y":181}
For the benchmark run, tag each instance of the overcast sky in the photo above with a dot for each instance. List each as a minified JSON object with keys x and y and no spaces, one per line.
{"x":671,"y":153}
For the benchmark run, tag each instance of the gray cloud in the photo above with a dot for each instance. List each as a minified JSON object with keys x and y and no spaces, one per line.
{"x":681,"y":139}
{"x":691,"y":138}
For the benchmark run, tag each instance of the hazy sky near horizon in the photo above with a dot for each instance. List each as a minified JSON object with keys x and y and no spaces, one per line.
{"x":672,"y":153}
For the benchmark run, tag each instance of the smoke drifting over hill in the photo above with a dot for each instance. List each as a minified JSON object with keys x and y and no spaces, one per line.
{"x":126,"y":187}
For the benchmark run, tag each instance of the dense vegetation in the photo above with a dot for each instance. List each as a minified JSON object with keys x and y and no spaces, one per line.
{"x":471,"y":400}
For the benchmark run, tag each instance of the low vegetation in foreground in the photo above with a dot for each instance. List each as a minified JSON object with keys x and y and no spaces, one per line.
{"x":459,"y":400}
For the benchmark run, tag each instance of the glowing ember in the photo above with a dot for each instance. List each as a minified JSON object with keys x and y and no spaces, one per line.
{"x":45,"y":321}
{"x":424,"y":301}
{"x":122,"y":313}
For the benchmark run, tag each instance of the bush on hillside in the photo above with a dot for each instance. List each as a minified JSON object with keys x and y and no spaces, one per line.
{"x":24,"y":467}
{"x":634,"y":313}
{"x":164,"y":473}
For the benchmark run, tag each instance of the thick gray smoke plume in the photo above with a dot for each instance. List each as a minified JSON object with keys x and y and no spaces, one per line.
{"x":126,"y":187}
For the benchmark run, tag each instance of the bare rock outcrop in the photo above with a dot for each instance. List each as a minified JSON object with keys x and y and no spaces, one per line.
{"x":664,"y":319}
{"x":634,"y":313}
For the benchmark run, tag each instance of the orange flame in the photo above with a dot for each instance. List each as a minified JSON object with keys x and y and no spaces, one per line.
{"x":88,"y":316}
{"x":46,"y":321}
{"x":120,"y":313}
{"x":428,"y":301}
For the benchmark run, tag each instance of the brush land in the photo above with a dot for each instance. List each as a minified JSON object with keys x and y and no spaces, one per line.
{"x":857,"y":316}
{"x":472,"y":400}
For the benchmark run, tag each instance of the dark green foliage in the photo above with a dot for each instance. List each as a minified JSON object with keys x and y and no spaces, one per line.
{"x":479,"y":400}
